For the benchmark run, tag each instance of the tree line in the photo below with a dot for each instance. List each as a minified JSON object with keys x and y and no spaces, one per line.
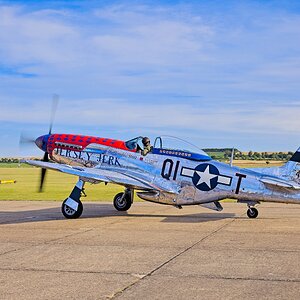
{"x":225,"y":154}
{"x":4,"y":160}
{"x":264,"y":155}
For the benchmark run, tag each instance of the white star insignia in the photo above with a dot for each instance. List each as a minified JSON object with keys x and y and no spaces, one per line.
{"x":205,"y":177}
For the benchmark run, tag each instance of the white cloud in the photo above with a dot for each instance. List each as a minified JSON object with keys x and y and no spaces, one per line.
{"x":154,"y":48}
{"x":118,"y":113}
{"x":46,"y":38}
{"x":130,"y":62}
{"x":31,"y":38}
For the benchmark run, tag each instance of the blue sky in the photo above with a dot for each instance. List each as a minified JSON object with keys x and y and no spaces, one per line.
{"x":217,"y":73}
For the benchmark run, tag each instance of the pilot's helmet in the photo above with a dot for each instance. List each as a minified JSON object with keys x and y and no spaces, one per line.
{"x":145,"y":141}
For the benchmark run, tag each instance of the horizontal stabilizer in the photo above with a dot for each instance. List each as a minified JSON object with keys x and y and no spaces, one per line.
{"x":213,"y":205}
{"x":280,"y":182}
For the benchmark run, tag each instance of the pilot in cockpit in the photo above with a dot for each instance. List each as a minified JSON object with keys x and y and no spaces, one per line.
{"x":147,"y":146}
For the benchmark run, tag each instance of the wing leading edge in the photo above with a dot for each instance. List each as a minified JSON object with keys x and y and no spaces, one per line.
{"x":124,"y":177}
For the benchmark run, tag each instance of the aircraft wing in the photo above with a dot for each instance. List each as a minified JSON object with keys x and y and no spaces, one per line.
{"x":279,"y":182}
{"x":111,"y":175}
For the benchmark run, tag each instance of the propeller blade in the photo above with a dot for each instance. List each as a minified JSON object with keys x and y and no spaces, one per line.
{"x":46,"y":157}
{"x":55,"y":100}
{"x":25,"y":140}
{"x":43,"y":175}
{"x":43,"y":172}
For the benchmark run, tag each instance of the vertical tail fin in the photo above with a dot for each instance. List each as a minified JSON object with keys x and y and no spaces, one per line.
{"x":291,"y":170}
{"x":296,"y":157}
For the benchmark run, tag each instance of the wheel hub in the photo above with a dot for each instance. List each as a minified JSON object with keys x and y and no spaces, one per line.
{"x":121,"y":201}
{"x":69,"y":211}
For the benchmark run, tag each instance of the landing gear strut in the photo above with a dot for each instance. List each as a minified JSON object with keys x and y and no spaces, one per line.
{"x":72,"y":207}
{"x":123,"y":201}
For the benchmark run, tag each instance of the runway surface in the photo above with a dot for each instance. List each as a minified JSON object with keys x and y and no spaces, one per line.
{"x":151,"y":252}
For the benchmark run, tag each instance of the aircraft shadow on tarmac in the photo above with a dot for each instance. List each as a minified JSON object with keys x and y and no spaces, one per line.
{"x":105,"y":210}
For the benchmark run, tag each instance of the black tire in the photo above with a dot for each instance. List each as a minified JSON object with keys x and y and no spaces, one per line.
{"x":70,"y":213}
{"x":252,"y":213}
{"x":122,"y":204}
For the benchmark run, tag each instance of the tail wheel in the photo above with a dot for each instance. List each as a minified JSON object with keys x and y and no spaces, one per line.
{"x":122,"y":201}
{"x":252,"y":212}
{"x":71,"y":213}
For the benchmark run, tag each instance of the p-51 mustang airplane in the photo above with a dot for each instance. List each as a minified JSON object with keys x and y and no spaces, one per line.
{"x":166,"y":175}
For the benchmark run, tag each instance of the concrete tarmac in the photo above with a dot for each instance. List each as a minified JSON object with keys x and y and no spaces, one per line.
{"x":150,"y":252}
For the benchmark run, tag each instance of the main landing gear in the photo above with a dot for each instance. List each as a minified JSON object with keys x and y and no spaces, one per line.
{"x":123,"y":201}
{"x":72,"y":207}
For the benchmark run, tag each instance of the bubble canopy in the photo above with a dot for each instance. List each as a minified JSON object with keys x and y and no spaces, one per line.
{"x":177,"y":144}
{"x":166,"y":142}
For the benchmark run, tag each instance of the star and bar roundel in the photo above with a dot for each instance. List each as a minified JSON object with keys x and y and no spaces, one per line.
{"x":206,"y":177}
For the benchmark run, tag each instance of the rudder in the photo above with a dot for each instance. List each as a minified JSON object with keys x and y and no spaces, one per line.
{"x":296,"y":156}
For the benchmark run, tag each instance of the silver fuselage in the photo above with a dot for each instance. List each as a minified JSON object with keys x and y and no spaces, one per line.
{"x":195,"y":181}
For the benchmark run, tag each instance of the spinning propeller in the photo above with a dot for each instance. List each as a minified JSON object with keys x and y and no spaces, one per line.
{"x":40,"y":141}
{"x":46,"y":155}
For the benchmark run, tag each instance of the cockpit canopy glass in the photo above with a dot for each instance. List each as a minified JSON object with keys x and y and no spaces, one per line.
{"x":175,"y":143}
{"x":165,"y":142}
